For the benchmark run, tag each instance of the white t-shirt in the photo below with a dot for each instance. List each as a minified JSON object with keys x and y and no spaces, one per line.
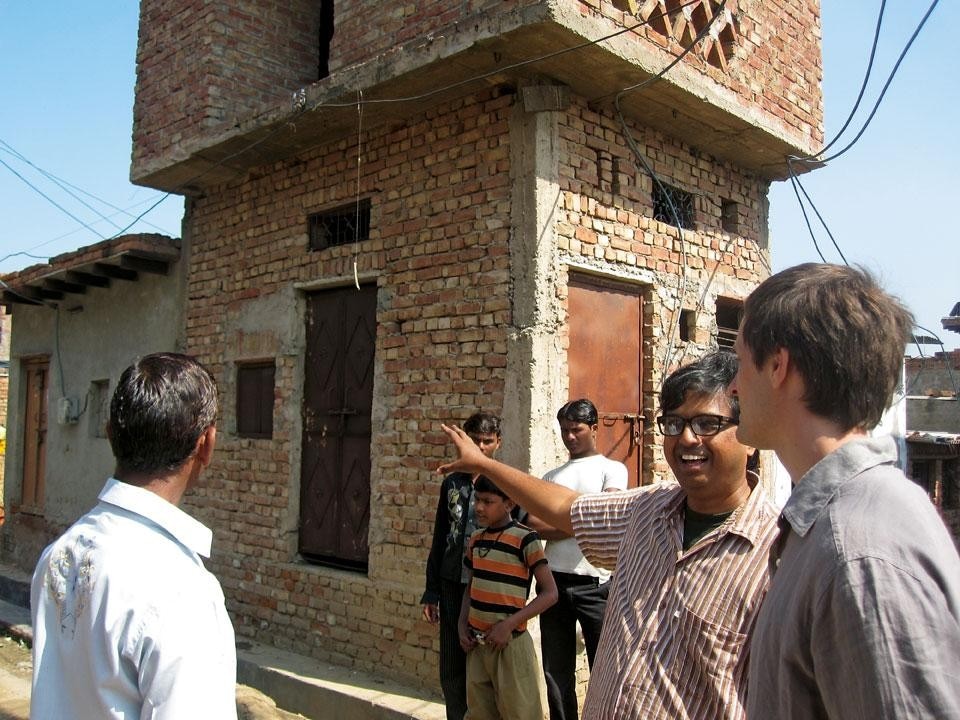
{"x":127,"y":621}
{"x":591,"y":474}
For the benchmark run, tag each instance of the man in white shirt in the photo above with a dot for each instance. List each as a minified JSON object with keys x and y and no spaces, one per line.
{"x":127,"y":621}
{"x":582,"y":587}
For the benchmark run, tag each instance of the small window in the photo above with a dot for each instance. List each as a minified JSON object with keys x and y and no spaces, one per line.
{"x":730,"y":216}
{"x":728,"y":321}
{"x":671,"y":204}
{"x":341,"y":226}
{"x":688,"y":325}
{"x":99,"y":400}
{"x":255,"y":393}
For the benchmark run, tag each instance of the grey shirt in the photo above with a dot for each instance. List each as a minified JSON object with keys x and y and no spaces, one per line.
{"x":862,"y":619}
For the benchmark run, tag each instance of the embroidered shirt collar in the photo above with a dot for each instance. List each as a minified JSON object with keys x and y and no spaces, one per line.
{"x":822,"y":482}
{"x":187,"y":531}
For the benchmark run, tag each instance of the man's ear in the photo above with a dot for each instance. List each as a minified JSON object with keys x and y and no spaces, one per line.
{"x":205,"y":445}
{"x":779,"y":365}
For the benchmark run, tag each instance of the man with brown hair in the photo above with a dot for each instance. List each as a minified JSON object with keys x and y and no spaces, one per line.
{"x":862,"y":619}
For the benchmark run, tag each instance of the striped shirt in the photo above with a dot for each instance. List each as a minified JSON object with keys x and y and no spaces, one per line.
{"x":675,"y":635}
{"x":502,"y":561}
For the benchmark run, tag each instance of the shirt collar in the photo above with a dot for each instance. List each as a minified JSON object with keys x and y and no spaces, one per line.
{"x":751,"y":519}
{"x":748,"y":521}
{"x":822,"y":482}
{"x":187,"y":531}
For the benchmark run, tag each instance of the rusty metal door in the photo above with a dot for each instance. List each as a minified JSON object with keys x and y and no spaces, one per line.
{"x":605,"y":363}
{"x":338,"y":397}
{"x":36,"y":372}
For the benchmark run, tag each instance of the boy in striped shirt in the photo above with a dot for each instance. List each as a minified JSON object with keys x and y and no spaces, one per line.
{"x":502,"y":672}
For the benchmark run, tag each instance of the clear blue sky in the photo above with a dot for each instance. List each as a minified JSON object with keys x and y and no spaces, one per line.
{"x":67,"y":74}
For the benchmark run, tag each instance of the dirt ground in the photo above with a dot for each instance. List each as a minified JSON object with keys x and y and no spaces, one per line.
{"x":15,"y":671}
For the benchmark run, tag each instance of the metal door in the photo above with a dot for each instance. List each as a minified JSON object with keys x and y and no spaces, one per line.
{"x":36,"y":371}
{"x":605,"y":363}
{"x":338,"y":397}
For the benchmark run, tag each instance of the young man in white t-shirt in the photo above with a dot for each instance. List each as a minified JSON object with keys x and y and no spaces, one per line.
{"x":582,"y":587}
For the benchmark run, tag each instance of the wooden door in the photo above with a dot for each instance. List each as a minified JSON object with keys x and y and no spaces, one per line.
{"x":338,"y":398}
{"x":36,"y":373}
{"x":605,"y":363}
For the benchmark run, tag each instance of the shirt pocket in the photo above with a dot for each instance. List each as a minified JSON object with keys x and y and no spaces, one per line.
{"x":707,"y":659}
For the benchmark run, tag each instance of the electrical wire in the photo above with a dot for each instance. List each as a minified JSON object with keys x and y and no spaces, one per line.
{"x":56,"y":181}
{"x":863,"y":88}
{"x":49,"y":199}
{"x":883,"y":92}
{"x":64,"y":184}
{"x":301,"y":107}
{"x":639,"y":158}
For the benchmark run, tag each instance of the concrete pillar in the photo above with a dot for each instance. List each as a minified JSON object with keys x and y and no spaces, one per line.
{"x":536,"y":374}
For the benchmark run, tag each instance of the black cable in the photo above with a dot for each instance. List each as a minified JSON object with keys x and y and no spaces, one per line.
{"x":797,"y":184}
{"x":793,"y":184}
{"x":883,"y":92}
{"x":863,"y":87}
{"x":639,"y":157}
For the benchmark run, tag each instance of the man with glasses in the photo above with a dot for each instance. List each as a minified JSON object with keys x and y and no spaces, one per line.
{"x":689,"y":558}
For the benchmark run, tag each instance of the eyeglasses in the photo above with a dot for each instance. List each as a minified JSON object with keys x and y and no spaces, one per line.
{"x":702,"y":425}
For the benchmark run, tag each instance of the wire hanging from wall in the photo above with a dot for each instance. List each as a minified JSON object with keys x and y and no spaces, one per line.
{"x":356,"y":224}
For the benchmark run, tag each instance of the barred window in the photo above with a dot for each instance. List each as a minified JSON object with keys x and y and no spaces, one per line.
{"x":340,"y":226}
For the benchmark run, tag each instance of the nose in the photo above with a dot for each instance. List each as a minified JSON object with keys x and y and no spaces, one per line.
{"x":688,"y":436}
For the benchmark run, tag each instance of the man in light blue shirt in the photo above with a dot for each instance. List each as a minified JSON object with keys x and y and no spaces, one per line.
{"x":127,"y":621}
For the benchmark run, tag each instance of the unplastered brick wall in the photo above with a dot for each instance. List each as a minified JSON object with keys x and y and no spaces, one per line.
{"x":439,"y":190}
{"x":605,"y":223}
{"x":201,"y":63}
{"x":775,"y":62}
{"x":204,"y":67}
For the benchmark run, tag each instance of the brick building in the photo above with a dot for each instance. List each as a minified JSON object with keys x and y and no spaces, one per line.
{"x":933,"y":431}
{"x":78,"y":321}
{"x":4,"y":393}
{"x":399,"y":213}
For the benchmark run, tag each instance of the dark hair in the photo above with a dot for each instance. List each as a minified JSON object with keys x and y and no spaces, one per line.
{"x":160,"y":408}
{"x":582,"y":411}
{"x":844,"y":334}
{"x":486,"y":485}
{"x":482,"y":423}
{"x":710,"y":375}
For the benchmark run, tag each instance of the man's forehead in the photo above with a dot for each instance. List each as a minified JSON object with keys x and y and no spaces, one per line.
{"x":702,"y":403}
{"x":483,"y":437}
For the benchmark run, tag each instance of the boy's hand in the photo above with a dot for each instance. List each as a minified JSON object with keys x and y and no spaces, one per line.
{"x":431,"y":613}
{"x":469,"y":454}
{"x":500,"y":635}
{"x":467,"y":641}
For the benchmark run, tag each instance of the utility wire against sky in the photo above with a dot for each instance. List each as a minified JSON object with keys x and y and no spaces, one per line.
{"x":301,"y":107}
{"x":619,"y":94}
{"x":816,"y":157}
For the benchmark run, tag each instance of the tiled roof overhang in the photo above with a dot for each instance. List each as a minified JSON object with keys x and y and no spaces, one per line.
{"x":123,"y":258}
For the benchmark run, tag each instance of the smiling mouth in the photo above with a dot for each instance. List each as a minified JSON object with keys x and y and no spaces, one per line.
{"x":692,"y":458}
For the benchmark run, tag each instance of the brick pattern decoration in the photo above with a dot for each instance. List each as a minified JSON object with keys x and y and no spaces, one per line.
{"x":440,"y":187}
{"x":204,"y":67}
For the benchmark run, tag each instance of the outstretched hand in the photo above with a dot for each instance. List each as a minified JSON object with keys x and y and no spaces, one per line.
{"x":469,"y":456}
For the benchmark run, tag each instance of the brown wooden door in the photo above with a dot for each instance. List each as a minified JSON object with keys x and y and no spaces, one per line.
{"x":37,"y":373}
{"x":605,"y":363}
{"x":338,"y":397}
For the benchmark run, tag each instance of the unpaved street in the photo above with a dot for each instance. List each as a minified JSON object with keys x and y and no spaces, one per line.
{"x":15,"y":670}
